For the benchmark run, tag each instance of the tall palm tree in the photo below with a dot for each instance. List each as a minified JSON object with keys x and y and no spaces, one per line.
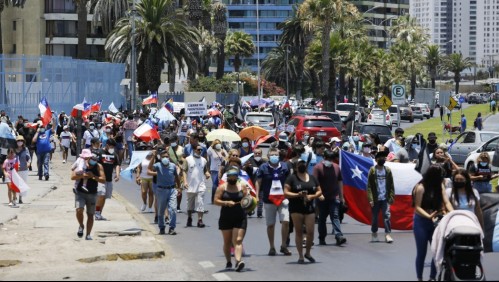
{"x":455,"y":63}
{"x":327,"y":13}
{"x":274,"y":67}
{"x":3,"y":4}
{"x":240,"y":45}
{"x":220,"y":31}
{"x":433,"y":59}
{"x":160,"y":38}
{"x":81,"y":10}
{"x":208,"y":44}
{"x":108,"y":12}
{"x":297,"y":32}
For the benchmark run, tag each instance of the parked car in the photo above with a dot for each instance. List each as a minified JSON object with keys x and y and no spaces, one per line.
{"x":383,"y":131}
{"x":317,"y":126}
{"x":262,"y":119}
{"x":474,"y":99}
{"x":335,"y":117}
{"x":395,"y":113}
{"x":406,"y":114}
{"x":489,"y":147}
{"x":425,"y":109}
{"x":468,"y":142}
{"x":377,"y":116}
{"x":304,"y":112}
{"x":344,"y":110}
{"x":417,"y":112}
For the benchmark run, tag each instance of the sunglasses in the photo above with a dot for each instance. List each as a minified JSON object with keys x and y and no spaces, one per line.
{"x":198,"y":150}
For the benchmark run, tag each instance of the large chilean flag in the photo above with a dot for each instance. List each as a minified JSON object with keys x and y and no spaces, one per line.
{"x":45,"y":111}
{"x":355,"y":170}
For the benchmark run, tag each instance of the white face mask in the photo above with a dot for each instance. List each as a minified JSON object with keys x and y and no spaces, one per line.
{"x":258,"y":159}
{"x":111,"y":151}
{"x":174,"y":144}
{"x":19,"y":144}
{"x":218,"y":147}
{"x":108,"y":130}
{"x":367,"y":150}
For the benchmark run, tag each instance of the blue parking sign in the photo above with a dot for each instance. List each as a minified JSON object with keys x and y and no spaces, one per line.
{"x":461,"y":100}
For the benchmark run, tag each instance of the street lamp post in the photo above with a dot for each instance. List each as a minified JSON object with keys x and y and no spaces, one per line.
{"x":287,"y":71}
{"x":258,"y":49}
{"x":133,"y":62}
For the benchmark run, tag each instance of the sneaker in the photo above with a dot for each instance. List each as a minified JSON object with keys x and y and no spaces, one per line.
{"x":150,"y":210}
{"x":201,"y":224}
{"x":272,"y":252}
{"x":143,"y":208}
{"x":88,"y":238}
{"x":240,"y":266}
{"x":172,"y":232}
{"x":322,"y":243}
{"x":374,"y":237}
{"x":99,"y":216}
{"x":11,"y":204}
{"x":80,"y":232}
{"x":20,"y":201}
{"x":167,"y":221}
{"x":179,"y":211}
{"x":189,"y":222}
{"x":388,"y":239}
{"x":228,"y":265}
{"x":285,"y":251}
{"x":64,"y":161}
{"x":310,"y":258}
{"x":46,"y":178}
{"x":162,"y":231}
{"x":40,"y":178}
{"x":156,"y":219}
{"x":340,"y":241}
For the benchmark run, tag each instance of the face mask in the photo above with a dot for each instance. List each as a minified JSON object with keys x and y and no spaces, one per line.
{"x":25,"y":125}
{"x":232,"y":181}
{"x":356,"y":138}
{"x":92,"y":162}
{"x":302,"y":168}
{"x":381,"y":162}
{"x":108,"y":130}
{"x":306,"y":137}
{"x":415,"y":146}
{"x":459,"y":184}
{"x":201,"y":139}
{"x":274,"y":159}
{"x":432,"y":141}
{"x":367,"y":150}
{"x":92,"y":127}
{"x":245,"y":145}
{"x":174,"y":144}
{"x":165,"y":161}
{"x":218,"y":147}
{"x":484,"y":163}
{"x":197,"y":155}
{"x":42,"y":130}
{"x":19,"y":144}
{"x":258,"y":159}
{"x":328,"y":163}
{"x":111,"y":151}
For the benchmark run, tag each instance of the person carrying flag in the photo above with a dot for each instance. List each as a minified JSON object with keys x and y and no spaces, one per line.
{"x":8,"y":166}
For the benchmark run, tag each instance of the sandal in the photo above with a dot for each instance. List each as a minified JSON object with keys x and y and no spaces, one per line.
{"x":301,"y":261}
{"x":285,"y":251}
{"x":310,"y":258}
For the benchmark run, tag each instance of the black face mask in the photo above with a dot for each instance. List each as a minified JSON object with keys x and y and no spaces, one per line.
{"x":432,"y":141}
{"x":302,"y":168}
{"x":381,"y":162}
{"x":232,"y":181}
{"x":459,"y":184}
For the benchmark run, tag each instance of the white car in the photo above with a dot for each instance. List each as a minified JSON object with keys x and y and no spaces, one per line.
{"x":344,"y":109}
{"x":425,"y":109}
{"x":262,"y":119}
{"x":489,"y":147}
{"x":377,"y":116}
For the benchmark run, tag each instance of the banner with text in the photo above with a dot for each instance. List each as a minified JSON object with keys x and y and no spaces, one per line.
{"x":195,"y":109}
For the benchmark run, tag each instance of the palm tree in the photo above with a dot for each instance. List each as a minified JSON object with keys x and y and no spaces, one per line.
{"x":208,"y":44}
{"x":327,"y":13}
{"x":433,"y":58}
{"x":108,"y":12}
{"x":206,"y":19}
{"x":456,"y":63}
{"x":240,"y":45}
{"x":274,"y":67}
{"x":220,"y":32}
{"x":81,"y":9}
{"x":3,"y":4}
{"x":160,"y":38}
{"x":297,"y":32}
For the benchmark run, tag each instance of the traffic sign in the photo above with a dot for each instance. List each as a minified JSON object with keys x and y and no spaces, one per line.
{"x":452,"y":103}
{"x":398,"y":94}
{"x":385,"y":103}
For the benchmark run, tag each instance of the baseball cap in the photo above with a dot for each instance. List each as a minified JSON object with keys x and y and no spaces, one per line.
{"x":334,"y":139}
{"x":283,"y":137}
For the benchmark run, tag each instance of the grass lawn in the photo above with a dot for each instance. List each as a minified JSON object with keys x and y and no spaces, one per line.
{"x":435,"y":125}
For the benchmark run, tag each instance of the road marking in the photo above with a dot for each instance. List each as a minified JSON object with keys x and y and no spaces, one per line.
{"x":206,"y":264}
{"x":221,"y":277}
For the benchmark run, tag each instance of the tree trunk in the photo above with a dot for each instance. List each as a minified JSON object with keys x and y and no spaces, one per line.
{"x":457,"y":79}
{"x":433,"y":79}
{"x":171,"y":77}
{"x":351,"y":86}
{"x":413,"y":84}
{"x":326,"y":43}
{"x":141,"y":75}
{"x":221,"y":60}
{"x":154,"y":66}
{"x":315,"y":85}
{"x":343,"y":86}
{"x":237,"y":63}
{"x":332,"y":83}
{"x":377,"y":85}
{"x":300,"y":70}
{"x":82,"y":29}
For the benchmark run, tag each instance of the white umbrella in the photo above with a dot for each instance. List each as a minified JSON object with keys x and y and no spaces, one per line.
{"x":223,"y":135}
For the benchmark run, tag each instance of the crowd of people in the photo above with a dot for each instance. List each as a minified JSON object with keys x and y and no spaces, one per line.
{"x":298,"y":182}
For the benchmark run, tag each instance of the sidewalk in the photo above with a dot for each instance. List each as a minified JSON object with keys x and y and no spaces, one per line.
{"x":38,"y":240}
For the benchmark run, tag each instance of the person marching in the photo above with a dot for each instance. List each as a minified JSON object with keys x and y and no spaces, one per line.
{"x":111,"y":163}
{"x":195,"y":176}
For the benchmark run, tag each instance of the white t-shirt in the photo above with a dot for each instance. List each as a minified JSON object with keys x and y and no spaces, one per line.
{"x":463,"y":201}
{"x":391,"y":144}
{"x":88,"y":136}
{"x":195,"y":174}
{"x":381,"y":175}
{"x":145,"y":166}
{"x":216,"y":158}
{"x":66,"y":139}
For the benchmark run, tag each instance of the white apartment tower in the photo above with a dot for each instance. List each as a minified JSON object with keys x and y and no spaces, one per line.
{"x":487,"y":53}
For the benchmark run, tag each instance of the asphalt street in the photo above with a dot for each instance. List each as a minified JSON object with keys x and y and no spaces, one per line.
{"x":201,"y":249}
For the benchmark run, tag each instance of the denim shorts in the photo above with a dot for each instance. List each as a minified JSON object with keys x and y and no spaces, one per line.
{"x":106,"y":190}
{"x":83,"y":200}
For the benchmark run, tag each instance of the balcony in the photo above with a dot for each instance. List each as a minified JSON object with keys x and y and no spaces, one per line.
{"x":61,"y":11}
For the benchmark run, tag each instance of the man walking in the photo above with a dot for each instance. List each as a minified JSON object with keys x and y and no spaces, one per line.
{"x":43,"y":149}
{"x":251,"y":168}
{"x":195,"y":176}
{"x":87,"y":197}
{"x":272,"y":176}
{"x":110,"y":161}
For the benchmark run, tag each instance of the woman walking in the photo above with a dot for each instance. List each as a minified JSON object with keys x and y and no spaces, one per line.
{"x":431,"y":203}
{"x":24,"y":159}
{"x":302,"y":189}
{"x":144,"y":180}
{"x":481,"y":174}
{"x":462,"y":195}
{"x":216,"y":155}
{"x":233,"y":220}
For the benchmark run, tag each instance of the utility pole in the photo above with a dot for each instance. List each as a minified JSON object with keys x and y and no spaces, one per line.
{"x":287,"y":71}
{"x":133,"y":62}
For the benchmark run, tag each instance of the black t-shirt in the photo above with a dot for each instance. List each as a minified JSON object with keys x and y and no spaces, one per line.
{"x":91,"y":184}
{"x":298,"y":205}
{"x":484,"y":171}
{"x":108,"y":162}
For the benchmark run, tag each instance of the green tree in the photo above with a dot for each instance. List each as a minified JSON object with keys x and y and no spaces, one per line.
{"x":274,"y":67}
{"x":433,"y":59}
{"x":220,"y":32}
{"x":161,"y":38}
{"x":81,"y":10}
{"x":455,"y":63}
{"x":239,"y":45}
{"x":108,"y":12}
{"x":3,"y":4}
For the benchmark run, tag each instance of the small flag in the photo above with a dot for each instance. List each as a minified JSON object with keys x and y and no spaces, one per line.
{"x":244,"y":176}
{"x":146,"y":132}
{"x":96,"y":107}
{"x":153,"y":99}
{"x":45,"y":111}
{"x":112,"y":108}
{"x":18,"y":184}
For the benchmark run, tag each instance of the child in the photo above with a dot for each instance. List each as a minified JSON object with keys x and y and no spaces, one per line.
{"x":80,"y":167}
{"x":8,"y":167}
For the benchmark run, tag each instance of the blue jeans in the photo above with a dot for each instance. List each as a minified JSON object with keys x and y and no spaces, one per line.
{"x":423,"y":233}
{"x":482,"y":187}
{"x":214,"y":178}
{"x":130,"y":148}
{"x":167,"y":198}
{"x":329,"y":208}
{"x":385,"y":209}
{"x":43,"y":163}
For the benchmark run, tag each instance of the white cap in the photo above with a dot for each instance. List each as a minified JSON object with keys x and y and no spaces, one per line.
{"x":334,"y":139}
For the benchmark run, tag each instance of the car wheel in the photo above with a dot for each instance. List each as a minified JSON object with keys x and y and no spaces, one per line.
{"x":412,"y":120}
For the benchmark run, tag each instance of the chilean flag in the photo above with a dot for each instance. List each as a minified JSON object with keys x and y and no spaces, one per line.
{"x":146,"y":133}
{"x":286,"y":106}
{"x":84,"y":107}
{"x":45,"y":111}
{"x":18,"y":185}
{"x":153,"y":99}
{"x":96,"y":107}
{"x":355,"y":170}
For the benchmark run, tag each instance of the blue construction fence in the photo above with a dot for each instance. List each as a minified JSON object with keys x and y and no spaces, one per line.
{"x":64,"y":81}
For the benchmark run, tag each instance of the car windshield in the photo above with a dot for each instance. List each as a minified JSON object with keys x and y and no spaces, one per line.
{"x":393,"y":110}
{"x":380,"y":130}
{"x":487,"y":136}
{"x":318,"y":123}
{"x":377,"y":113}
{"x":333,"y":116}
{"x":305,"y":112}
{"x":259,"y":118}
{"x":345,"y":107}
{"x":416,"y":109}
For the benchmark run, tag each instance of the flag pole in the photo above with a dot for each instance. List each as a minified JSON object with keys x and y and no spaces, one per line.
{"x":78,"y":132}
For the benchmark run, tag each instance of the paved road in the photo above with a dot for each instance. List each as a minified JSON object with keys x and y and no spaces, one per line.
{"x":492,"y":123}
{"x":357,"y":260}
